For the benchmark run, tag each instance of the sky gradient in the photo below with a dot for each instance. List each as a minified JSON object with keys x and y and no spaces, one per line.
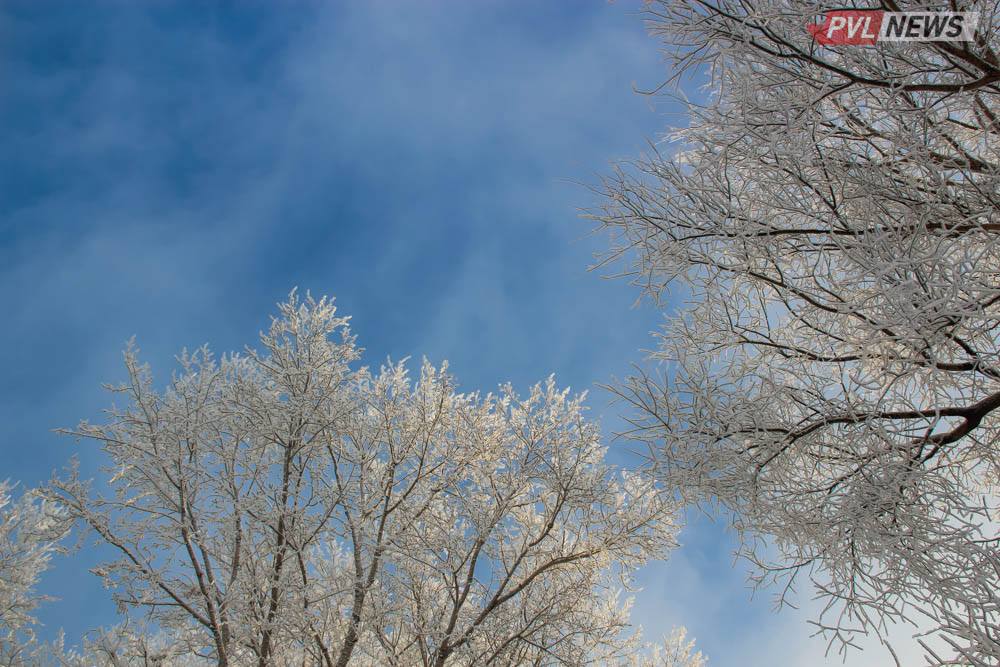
{"x":172,"y":170}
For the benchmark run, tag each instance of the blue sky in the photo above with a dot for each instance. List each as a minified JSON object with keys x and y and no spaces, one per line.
{"x":173,"y":170}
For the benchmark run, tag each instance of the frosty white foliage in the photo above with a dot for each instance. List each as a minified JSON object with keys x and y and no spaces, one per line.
{"x":282,"y":507}
{"x":30,"y":532}
{"x":675,"y":651}
{"x":833,"y":215}
{"x":121,"y":646}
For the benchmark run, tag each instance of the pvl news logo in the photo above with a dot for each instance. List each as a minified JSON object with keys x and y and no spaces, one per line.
{"x":867,"y":27}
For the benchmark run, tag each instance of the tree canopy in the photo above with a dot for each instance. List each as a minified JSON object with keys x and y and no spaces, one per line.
{"x":831,"y":218}
{"x":284,"y":506}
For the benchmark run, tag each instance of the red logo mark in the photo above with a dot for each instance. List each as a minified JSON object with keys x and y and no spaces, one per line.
{"x":848,"y":26}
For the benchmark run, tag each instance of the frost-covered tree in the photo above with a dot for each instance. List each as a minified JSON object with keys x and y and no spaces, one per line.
{"x":675,"y":651}
{"x":31,"y":531}
{"x":831,"y":218}
{"x":283,"y":507}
